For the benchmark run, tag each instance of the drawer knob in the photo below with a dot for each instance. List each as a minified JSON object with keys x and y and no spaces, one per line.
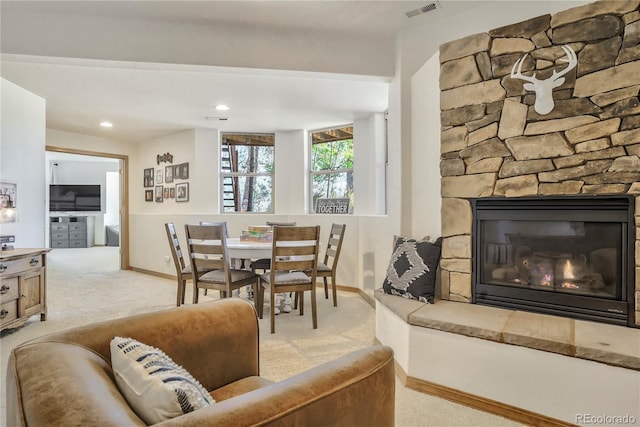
{"x":3,"y":313}
{"x":34,"y":261}
{"x":4,"y":289}
{"x":3,"y":267}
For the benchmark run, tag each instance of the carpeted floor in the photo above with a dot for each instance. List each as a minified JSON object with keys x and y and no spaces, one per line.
{"x":85,"y":285}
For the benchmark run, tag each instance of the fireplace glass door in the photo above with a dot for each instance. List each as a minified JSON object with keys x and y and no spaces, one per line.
{"x":573,"y":257}
{"x":564,"y":256}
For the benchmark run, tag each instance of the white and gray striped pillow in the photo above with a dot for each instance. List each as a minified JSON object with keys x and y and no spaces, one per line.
{"x":155,"y":387}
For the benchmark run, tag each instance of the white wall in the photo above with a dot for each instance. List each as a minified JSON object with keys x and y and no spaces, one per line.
{"x":81,"y":142}
{"x":291,"y":176}
{"x":369,"y":147}
{"x":22,"y":161}
{"x":425,"y":152}
{"x":112,"y":214}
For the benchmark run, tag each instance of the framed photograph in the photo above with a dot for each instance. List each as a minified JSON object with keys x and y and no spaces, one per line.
{"x":8,"y":191}
{"x":168,"y":174}
{"x":148,"y":177}
{"x":182,"y":192}
{"x":148,"y":195}
{"x":159,"y":194}
{"x":184,"y":171}
{"x":159,"y":176}
{"x":172,"y":192}
{"x":176,"y":172}
{"x":166,"y":192}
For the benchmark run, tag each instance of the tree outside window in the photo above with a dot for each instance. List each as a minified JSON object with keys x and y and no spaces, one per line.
{"x":332,"y":164}
{"x":247,"y":168}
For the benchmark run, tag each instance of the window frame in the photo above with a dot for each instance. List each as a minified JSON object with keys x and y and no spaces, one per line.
{"x":329,"y":172}
{"x":224,"y":174}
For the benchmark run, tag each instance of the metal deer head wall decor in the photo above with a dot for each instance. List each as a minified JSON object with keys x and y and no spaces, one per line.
{"x":544,"y":88}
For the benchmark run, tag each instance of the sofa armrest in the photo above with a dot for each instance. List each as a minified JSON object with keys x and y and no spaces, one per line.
{"x":63,"y":384}
{"x":355,"y":389}
{"x":217,"y":342}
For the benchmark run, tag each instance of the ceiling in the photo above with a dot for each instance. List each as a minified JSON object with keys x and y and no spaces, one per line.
{"x":146,"y":100}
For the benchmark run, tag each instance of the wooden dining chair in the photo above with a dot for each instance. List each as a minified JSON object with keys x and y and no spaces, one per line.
{"x":327,"y":268}
{"x":294,"y":263}
{"x":211,"y":264}
{"x":183,"y":271}
{"x":264,"y":264}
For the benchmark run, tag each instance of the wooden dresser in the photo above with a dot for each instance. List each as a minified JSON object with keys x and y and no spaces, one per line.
{"x":23,"y":286}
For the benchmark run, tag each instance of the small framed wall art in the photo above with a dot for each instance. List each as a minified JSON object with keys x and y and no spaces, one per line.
{"x":148,"y":177}
{"x":159,"y":194}
{"x":184,"y":171}
{"x":168,"y":174}
{"x":182,"y":192}
{"x":148,"y":195}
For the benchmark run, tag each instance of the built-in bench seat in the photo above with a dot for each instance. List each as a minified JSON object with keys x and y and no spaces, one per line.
{"x":610,"y":344}
{"x":533,"y":368}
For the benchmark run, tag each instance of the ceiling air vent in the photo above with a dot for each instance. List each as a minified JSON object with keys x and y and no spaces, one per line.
{"x":424,"y":9}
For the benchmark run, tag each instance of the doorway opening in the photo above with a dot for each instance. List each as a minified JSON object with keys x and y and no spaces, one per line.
{"x":103,"y":226}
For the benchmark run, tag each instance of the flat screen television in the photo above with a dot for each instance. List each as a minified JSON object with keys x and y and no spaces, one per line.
{"x":74,"y":198}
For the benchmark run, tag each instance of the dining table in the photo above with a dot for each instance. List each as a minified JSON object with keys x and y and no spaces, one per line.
{"x":248,"y":249}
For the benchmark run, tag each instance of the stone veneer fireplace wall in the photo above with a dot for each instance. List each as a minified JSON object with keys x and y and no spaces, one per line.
{"x":495,"y":144}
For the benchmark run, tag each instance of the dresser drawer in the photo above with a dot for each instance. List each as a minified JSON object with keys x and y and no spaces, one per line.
{"x":78,"y":243}
{"x":9,"y":289}
{"x":77,"y":226}
{"x":58,"y":235}
{"x":8,"y":311}
{"x":18,"y":265}
{"x":59,"y":244}
{"x":59,"y":226}
{"x":76,"y":235}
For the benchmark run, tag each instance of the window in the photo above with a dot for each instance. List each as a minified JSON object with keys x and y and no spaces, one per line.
{"x":332,"y":164}
{"x":246,"y":168}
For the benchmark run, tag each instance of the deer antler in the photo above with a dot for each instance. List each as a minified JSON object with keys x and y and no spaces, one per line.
{"x":517,"y":74}
{"x":572,"y":59}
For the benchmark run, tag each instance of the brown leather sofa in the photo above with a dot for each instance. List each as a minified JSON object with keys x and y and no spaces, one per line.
{"x":66,"y":379}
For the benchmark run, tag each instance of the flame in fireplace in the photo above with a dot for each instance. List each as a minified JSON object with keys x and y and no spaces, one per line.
{"x":568,"y":275}
{"x":568,"y":270}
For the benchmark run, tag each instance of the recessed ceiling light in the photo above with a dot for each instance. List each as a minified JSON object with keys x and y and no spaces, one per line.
{"x":106,"y":124}
{"x":222,"y":107}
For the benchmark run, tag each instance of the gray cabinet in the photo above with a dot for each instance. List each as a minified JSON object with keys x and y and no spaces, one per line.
{"x":71,"y":231}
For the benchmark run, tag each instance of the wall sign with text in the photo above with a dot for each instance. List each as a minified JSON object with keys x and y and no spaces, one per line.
{"x":332,"y":206}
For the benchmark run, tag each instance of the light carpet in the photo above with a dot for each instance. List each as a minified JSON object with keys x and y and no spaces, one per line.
{"x":85,"y":286}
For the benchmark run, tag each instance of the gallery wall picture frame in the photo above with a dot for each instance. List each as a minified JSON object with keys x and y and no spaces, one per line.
{"x":172,"y":192}
{"x":8,"y":193}
{"x":159,"y":194}
{"x":182,"y":192}
{"x":159,"y":176}
{"x":166,"y":192}
{"x":148,"y":177}
{"x":168,"y":174}
{"x":176,"y":172}
{"x":184,"y":171}
{"x":148,"y":195}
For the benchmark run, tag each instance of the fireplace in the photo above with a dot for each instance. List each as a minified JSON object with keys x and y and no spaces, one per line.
{"x":569,"y":256}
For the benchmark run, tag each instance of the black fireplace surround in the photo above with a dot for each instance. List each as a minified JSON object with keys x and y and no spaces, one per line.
{"x":569,"y":256}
